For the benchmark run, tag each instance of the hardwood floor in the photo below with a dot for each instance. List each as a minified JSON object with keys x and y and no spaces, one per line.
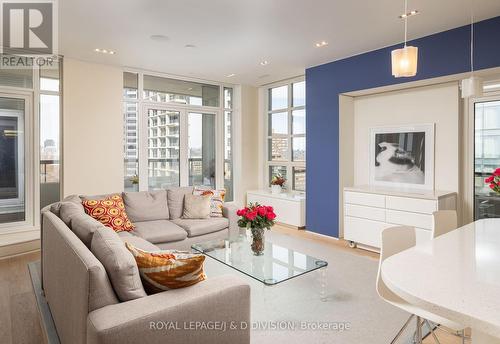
{"x":19,"y":317}
{"x":18,"y":313}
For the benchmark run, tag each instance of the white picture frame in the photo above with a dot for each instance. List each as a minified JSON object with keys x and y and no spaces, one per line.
{"x":402,"y":156}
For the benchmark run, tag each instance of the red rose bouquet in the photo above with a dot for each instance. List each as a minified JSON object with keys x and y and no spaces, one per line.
{"x":494,"y":181}
{"x":256,"y":216}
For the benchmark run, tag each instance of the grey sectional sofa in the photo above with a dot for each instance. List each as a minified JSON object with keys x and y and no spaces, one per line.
{"x":84,"y":306}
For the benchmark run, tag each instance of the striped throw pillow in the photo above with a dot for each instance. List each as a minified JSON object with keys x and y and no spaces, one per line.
{"x":165,"y":270}
{"x":216,"y":199}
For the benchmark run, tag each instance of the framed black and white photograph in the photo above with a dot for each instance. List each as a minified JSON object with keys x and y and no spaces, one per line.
{"x":403,"y":157}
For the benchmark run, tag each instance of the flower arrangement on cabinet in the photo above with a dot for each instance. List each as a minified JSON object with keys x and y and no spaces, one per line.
{"x":277,"y":183}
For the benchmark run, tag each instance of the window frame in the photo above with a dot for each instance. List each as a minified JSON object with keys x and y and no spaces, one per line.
{"x":288,"y":163}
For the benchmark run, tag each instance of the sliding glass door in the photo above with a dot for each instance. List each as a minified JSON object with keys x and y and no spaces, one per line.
{"x":201,"y":149}
{"x":12,"y":159}
{"x":163,"y":148}
{"x":486,"y":157}
{"x":178,"y":148}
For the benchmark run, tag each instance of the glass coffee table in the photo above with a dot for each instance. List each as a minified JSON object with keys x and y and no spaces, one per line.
{"x":276,"y":265}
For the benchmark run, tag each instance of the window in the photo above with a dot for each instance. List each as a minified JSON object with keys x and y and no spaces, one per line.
{"x":286,"y":133}
{"x":172,"y":133}
{"x":50,"y":134}
{"x":486,"y":157}
{"x":228,"y":144}
{"x":163,"y":148}
{"x":201,"y":149}
{"x":29,"y":170}
{"x":167,"y":90}
{"x":131,"y":130}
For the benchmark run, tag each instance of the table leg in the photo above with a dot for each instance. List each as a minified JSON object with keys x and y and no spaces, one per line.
{"x":479,"y":337}
{"x":323,"y":284}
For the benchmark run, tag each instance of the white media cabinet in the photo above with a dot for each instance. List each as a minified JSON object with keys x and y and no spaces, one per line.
{"x":368,"y":210}
{"x":290,"y":208}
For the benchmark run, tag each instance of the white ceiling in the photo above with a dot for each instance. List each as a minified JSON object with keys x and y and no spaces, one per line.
{"x":233,"y":36}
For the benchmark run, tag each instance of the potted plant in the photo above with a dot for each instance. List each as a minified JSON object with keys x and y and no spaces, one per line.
{"x":277,"y":182}
{"x":494,"y":181}
{"x":135,"y":182}
{"x":257,"y":218}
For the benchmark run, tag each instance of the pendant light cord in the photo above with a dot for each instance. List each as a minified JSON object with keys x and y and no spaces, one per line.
{"x":472,"y":37}
{"x":406,"y":21}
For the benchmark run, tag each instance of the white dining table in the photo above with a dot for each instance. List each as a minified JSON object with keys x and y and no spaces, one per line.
{"x":456,"y":276}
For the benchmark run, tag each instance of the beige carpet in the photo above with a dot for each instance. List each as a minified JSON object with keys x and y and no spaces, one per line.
{"x":351,"y":298}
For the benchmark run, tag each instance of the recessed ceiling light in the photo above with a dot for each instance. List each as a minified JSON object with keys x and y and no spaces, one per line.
{"x":230,"y":75}
{"x":321,"y":44}
{"x":409,"y":14}
{"x":159,"y":38}
{"x":264,"y":63}
{"x":190,"y":46}
{"x":104,"y":51}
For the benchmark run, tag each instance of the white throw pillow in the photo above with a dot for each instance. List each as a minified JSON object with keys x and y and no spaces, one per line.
{"x":196,"y":207}
{"x":216,"y":199}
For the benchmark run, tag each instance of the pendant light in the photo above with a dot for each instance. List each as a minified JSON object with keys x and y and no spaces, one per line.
{"x":404,"y":60}
{"x":473,"y":86}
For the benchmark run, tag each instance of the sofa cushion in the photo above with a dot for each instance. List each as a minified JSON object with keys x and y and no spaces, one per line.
{"x":119,"y":264}
{"x":55,"y":208}
{"x":200,"y":227}
{"x":146,"y":205}
{"x":175,"y":200}
{"x":196,"y":207}
{"x":68,"y":210}
{"x":159,"y":231}
{"x":138,"y":242}
{"x":84,"y":227}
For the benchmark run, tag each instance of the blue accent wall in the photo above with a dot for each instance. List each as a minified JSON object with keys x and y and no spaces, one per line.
{"x":441,"y":54}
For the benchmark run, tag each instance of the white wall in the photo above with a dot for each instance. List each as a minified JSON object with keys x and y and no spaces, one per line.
{"x":251,"y":162}
{"x":432,"y":104}
{"x":92,"y":128}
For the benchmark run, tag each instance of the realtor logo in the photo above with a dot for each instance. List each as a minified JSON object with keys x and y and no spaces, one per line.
{"x":28,"y":28}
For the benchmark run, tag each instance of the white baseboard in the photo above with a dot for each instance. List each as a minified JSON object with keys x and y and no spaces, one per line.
{"x":12,"y":244}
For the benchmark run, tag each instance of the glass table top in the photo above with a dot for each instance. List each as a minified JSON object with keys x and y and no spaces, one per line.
{"x":276,"y":265}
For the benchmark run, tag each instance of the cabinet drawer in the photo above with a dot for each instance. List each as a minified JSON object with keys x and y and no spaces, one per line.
{"x":371,"y":213}
{"x":364,"y":231}
{"x":367,"y":199}
{"x":409,"y":219}
{"x":424,"y":206}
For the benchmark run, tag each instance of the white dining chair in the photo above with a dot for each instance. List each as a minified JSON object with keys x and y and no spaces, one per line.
{"x":395,"y":240}
{"x":444,"y":221}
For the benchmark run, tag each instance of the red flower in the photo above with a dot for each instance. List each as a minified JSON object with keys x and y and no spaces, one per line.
{"x":270,"y":215}
{"x":251,"y":215}
{"x":489,"y":179}
{"x":270,"y":209}
{"x":262,"y":211}
{"x":497,"y":172}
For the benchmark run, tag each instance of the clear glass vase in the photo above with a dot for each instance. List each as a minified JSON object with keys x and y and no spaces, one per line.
{"x":258,"y":241}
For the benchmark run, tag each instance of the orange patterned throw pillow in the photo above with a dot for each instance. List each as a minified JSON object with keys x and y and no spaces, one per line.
{"x":165,"y":270}
{"x":110,"y":212}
